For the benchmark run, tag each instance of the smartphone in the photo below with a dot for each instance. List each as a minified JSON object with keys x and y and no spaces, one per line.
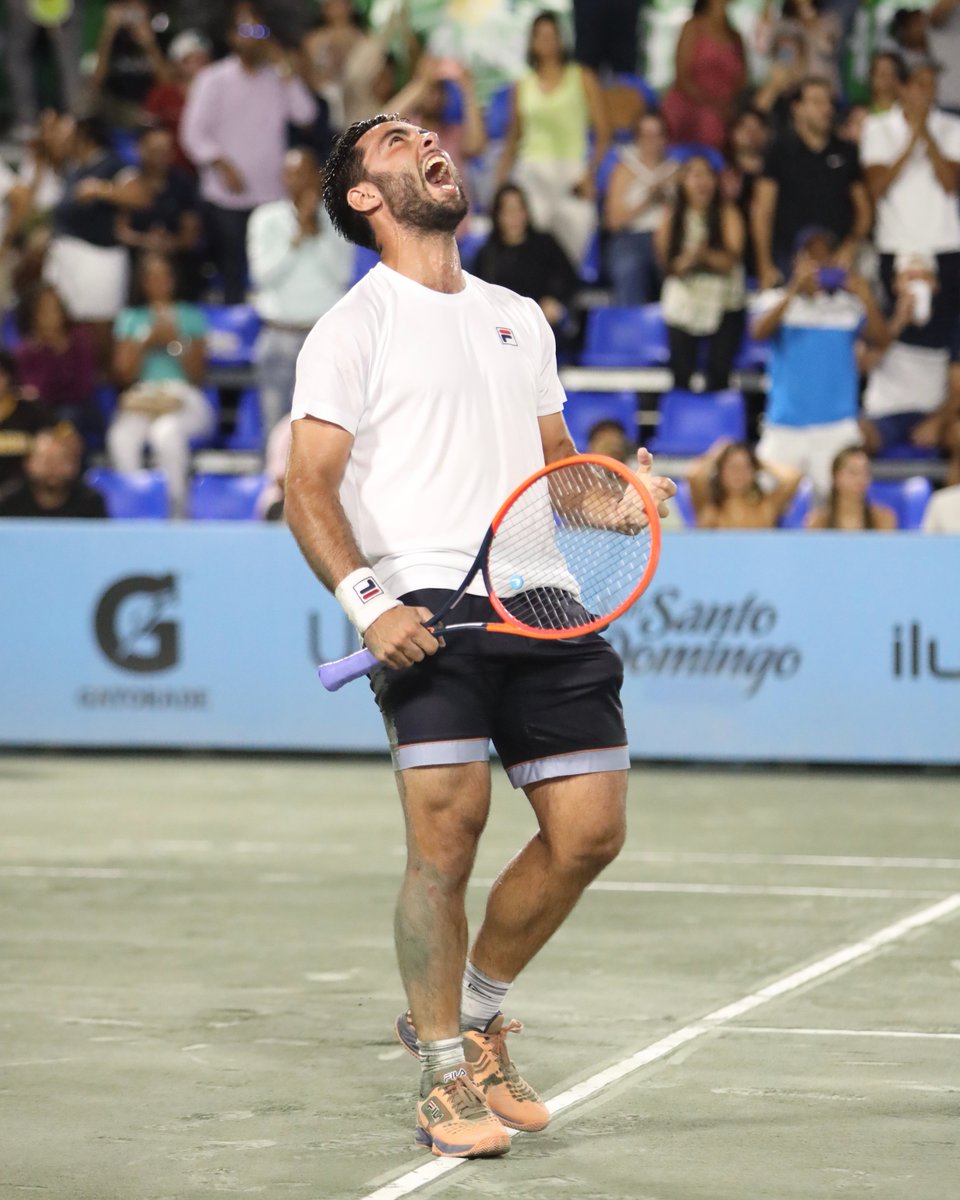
{"x":831,"y":279}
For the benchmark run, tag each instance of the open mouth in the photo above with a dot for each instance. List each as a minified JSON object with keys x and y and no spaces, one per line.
{"x":438,"y":174}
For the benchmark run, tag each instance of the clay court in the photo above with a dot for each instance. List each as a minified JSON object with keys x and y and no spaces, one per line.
{"x":199,"y":986}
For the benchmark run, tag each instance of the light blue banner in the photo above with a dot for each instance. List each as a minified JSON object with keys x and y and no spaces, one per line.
{"x":754,"y":646}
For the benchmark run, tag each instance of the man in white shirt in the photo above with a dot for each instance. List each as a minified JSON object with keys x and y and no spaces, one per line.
{"x":422,"y":398}
{"x":911,"y":157}
{"x":300,"y":268}
{"x":943,"y":512}
{"x":234,"y":130}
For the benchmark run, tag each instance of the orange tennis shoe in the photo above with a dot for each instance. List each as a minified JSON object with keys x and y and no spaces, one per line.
{"x":454,"y":1121}
{"x":511,"y":1099}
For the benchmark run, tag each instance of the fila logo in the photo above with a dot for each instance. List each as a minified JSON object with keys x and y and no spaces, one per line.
{"x":368,"y":589}
{"x":433,"y":1110}
{"x":459,"y":1073}
{"x":506,"y":336}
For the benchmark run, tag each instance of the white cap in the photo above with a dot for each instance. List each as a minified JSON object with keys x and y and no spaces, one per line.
{"x":187,"y":43}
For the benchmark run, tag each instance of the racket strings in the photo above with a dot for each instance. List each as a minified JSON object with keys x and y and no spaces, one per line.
{"x":571,"y":549}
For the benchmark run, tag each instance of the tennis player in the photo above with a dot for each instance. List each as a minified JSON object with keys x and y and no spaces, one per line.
{"x":423,"y":398}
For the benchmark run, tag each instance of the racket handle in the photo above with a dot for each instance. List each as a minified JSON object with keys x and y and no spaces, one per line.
{"x":333,"y":675}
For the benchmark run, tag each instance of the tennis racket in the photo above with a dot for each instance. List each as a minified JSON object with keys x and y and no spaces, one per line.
{"x":568,"y":552}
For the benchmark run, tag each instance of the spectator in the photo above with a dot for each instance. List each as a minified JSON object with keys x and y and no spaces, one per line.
{"x":605,"y":35}
{"x":189,"y":53}
{"x":55,"y":361}
{"x":348,"y":61}
{"x":299,"y":268}
{"x":728,"y":490}
{"x":943,"y":512}
{"x":170,"y":221}
{"x":776,"y":94}
{"x":51,"y":485}
{"x":20,"y":421}
{"x":711,"y":73}
{"x":912,"y":397}
{"x":641,"y":185}
{"x":813,"y":324}
{"x":700,"y":248}
{"x":526,"y":260}
{"x":160,"y":361}
{"x":86,"y":262}
{"x":912,"y":159}
{"x":944,"y":37}
{"x":555,"y":107}
{"x":908,"y":30}
{"x":809,"y":27}
{"x":809,"y":177}
{"x":610,"y":438}
{"x":129,"y":63}
{"x":63,"y":30}
{"x":851,"y":127}
{"x":254,"y":89}
{"x":270,"y":500}
{"x":884,"y":80}
{"x":848,"y":505}
{"x":745,"y":155}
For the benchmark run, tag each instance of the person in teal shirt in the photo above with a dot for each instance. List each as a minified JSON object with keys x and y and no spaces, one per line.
{"x":160,"y":361}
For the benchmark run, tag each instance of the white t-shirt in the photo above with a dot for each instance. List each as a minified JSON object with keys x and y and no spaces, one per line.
{"x":915,"y":215}
{"x":945,"y":48}
{"x":442,"y":394}
{"x":907,"y":379}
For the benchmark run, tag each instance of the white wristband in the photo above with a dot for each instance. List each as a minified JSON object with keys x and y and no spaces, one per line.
{"x":362,"y":597}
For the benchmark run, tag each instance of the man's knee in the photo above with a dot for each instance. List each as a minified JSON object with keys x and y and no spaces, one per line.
{"x":446,"y":811}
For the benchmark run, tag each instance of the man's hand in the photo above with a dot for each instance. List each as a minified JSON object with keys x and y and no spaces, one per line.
{"x":230,"y":177}
{"x":306,"y":208}
{"x":399,"y":639}
{"x":769,"y":277}
{"x":659,"y":487}
{"x":928,"y":432}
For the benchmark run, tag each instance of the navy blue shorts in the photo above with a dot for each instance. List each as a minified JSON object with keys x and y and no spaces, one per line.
{"x":550,"y":708}
{"x":895,"y":429}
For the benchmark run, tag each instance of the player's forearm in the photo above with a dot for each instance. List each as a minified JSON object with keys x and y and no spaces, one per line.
{"x":318,"y":522}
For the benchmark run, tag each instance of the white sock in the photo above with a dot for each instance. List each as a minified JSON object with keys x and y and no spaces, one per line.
{"x":481,"y":998}
{"x":443,"y":1053}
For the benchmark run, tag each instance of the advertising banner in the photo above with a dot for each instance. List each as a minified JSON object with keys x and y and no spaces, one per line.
{"x":748,"y":646}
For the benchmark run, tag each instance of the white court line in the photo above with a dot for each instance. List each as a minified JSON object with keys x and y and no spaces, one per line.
{"x":675,"y":857}
{"x":673,"y":888}
{"x":428,"y":1173}
{"x":872,"y":1033}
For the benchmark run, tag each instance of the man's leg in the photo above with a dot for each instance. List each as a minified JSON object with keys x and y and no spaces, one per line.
{"x":445,"y":809}
{"x":582,"y":827}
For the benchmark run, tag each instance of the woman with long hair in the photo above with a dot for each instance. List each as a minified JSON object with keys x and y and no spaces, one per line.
{"x":711,"y":73}
{"x":848,"y":505}
{"x":700,"y":246}
{"x":56,"y":361}
{"x":555,"y":107}
{"x":520,"y":257}
{"x":728,"y":489}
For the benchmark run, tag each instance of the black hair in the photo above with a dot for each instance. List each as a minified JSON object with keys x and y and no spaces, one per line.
{"x":809,"y":81}
{"x":603,"y":426}
{"x":344,"y":170}
{"x":718,"y":493}
{"x":357,"y":17}
{"x":504,"y":190}
{"x":147,"y":127}
{"x":8,"y":366}
{"x":94,"y":129}
{"x":899,"y":65}
{"x":678,"y":217}
{"x":551,"y":18}
{"x":834,"y":500}
{"x":138,"y":291}
{"x":29,"y":302}
{"x":900,"y":20}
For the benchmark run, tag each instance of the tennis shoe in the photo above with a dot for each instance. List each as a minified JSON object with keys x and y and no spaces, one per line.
{"x":453,"y":1119}
{"x":511,"y":1099}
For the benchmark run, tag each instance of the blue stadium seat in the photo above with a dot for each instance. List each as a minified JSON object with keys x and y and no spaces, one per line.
{"x":604,"y":171}
{"x":684,"y":503}
{"x":498,"y":113}
{"x":124,"y":143}
{"x":584,"y":409}
{"x":908,"y":451}
{"x":626,"y":337}
{"x":10,"y":332}
{"x":907,"y":497}
{"x":798,"y":508}
{"x":139,"y":495}
{"x":752,"y":355}
{"x":590,"y":268}
{"x":690,"y":422}
{"x":363,"y":261}
{"x":682,"y":151}
{"x":248,"y":431}
{"x":231,"y":334}
{"x":225,"y":497}
{"x":470,"y":245}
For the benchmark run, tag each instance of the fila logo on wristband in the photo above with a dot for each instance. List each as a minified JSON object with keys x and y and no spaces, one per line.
{"x":368,"y":589}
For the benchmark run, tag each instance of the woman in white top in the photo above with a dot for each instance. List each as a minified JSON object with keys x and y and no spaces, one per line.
{"x":547,"y":152}
{"x":641,"y":185}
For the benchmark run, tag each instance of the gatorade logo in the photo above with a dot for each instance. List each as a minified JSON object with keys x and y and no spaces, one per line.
{"x":132,"y":623}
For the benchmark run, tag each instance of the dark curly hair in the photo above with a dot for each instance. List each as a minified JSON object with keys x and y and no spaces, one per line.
{"x":344,"y":170}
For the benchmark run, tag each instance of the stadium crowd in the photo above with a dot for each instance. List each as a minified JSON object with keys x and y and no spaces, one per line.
{"x":165,"y":252}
